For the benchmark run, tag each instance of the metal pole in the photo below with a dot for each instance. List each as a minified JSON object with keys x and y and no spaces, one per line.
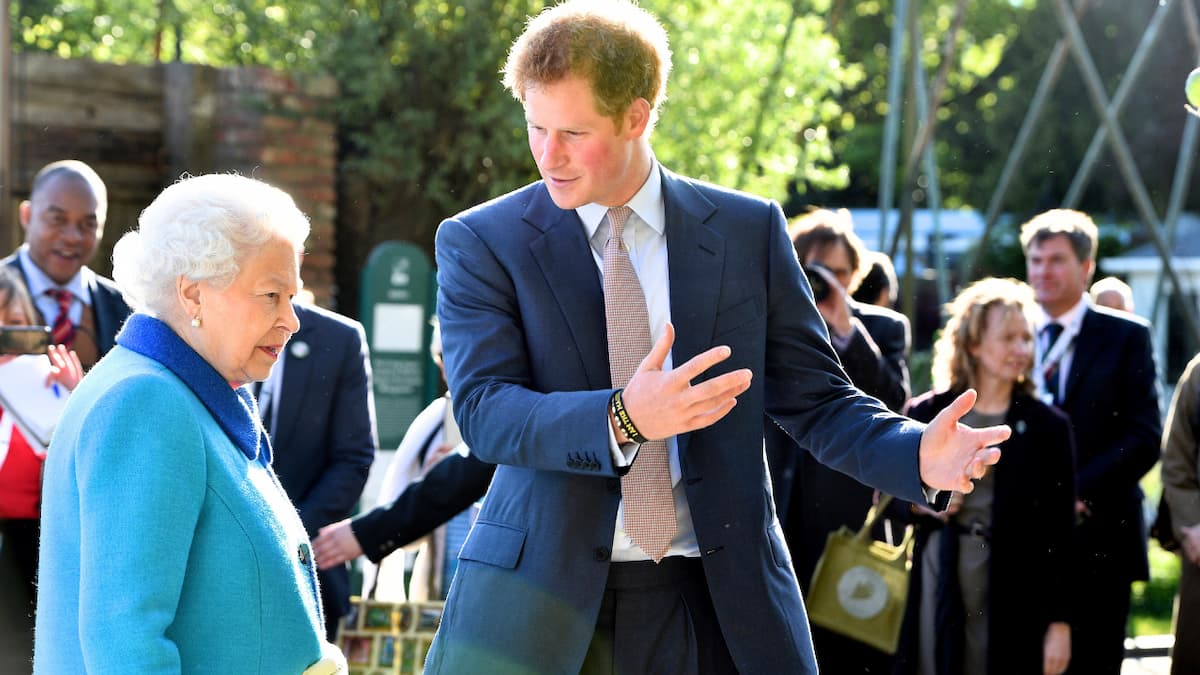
{"x":1132,"y":72}
{"x":891,"y":125}
{"x":1058,"y":57}
{"x":925,"y":133}
{"x":934,"y":190}
{"x":1120,"y":147}
{"x":908,"y":286}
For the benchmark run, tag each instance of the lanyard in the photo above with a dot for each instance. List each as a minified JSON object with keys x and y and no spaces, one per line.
{"x":1052,"y":360}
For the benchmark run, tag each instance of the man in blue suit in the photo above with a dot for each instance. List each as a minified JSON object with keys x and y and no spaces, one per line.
{"x":557,"y":575}
{"x":320,"y":411}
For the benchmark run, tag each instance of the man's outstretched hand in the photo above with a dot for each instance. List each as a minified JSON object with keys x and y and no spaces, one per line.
{"x":953,"y":454}
{"x":664,"y":403}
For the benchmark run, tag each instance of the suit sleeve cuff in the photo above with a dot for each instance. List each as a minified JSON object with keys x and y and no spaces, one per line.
{"x":938,"y":499}
{"x":622,"y":455}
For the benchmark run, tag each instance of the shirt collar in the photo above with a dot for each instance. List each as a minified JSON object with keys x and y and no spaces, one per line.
{"x":39,"y":283}
{"x":1071,"y":320}
{"x":647,"y":204}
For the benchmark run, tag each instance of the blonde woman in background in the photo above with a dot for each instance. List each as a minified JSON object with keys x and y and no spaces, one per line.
{"x":989,"y":591}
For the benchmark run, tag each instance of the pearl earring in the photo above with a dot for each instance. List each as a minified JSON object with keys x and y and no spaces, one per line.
{"x":196,"y":321}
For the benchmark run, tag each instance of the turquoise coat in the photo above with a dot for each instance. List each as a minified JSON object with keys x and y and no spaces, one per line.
{"x":165,"y":548}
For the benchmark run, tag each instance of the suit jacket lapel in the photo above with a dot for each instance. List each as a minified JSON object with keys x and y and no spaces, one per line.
{"x":696,"y":259}
{"x":1088,"y":348}
{"x":102,"y":312}
{"x":565,"y":258}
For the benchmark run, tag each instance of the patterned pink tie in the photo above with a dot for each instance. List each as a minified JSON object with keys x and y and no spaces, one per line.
{"x":63,"y":331}
{"x":646,"y":489}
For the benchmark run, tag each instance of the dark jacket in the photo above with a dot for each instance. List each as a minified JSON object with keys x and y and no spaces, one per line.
{"x":1111,"y":397}
{"x":324,"y":438}
{"x":1029,"y":568}
{"x":812,"y":499}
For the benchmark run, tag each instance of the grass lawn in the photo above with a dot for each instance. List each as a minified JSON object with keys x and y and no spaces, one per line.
{"x":1153,"y":600}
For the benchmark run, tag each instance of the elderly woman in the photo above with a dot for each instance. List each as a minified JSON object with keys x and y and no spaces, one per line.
{"x":167,"y":542}
{"x":990,"y":580}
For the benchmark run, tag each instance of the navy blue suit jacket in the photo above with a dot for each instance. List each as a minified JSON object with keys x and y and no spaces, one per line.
{"x":812,"y":498}
{"x":446,"y":490}
{"x":1111,"y":397}
{"x":324,"y":440}
{"x":522,"y":318}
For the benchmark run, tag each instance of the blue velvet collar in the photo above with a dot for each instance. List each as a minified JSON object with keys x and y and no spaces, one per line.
{"x":234,"y":409}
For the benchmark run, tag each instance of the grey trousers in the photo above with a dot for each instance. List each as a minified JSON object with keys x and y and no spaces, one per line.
{"x":657,"y":619}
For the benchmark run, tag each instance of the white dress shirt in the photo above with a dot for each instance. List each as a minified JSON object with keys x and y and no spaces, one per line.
{"x":1072,"y":322}
{"x":645,"y":237}
{"x":39,"y":283}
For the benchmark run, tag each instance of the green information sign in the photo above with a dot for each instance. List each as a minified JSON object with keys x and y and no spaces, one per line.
{"x":397,"y":304}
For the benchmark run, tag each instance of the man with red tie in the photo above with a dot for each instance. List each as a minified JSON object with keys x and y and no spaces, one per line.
{"x":63,"y":221}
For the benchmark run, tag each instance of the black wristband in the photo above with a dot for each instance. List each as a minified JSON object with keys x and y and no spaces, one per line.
{"x":622,"y":416}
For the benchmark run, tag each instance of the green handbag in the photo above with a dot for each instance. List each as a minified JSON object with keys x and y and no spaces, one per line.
{"x":860,"y":586}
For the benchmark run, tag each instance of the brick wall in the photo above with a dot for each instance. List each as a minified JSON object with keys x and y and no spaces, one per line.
{"x":141,"y":127}
{"x":276,"y":127}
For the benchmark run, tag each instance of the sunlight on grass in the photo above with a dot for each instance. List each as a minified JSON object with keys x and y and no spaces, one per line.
{"x":1152,"y":601}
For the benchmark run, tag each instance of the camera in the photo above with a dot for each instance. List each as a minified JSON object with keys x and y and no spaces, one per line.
{"x":24,"y":339}
{"x":820,"y":287}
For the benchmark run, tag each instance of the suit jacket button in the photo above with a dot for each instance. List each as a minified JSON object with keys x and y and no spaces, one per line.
{"x":303,"y":553}
{"x":602,"y":553}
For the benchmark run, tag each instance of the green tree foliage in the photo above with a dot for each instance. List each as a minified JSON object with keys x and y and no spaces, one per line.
{"x":1001,"y":54}
{"x":426,"y":128}
{"x":786,"y":98}
{"x":751,"y":101}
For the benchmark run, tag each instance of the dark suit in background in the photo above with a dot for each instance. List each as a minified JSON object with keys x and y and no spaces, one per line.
{"x":812,"y":499}
{"x":1111,"y":396}
{"x":1029,"y":560}
{"x":446,"y":490}
{"x":63,"y":221}
{"x":324,"y":437}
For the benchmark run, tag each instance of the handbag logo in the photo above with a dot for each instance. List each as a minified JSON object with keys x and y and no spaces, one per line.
{"x":862,"y":592}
